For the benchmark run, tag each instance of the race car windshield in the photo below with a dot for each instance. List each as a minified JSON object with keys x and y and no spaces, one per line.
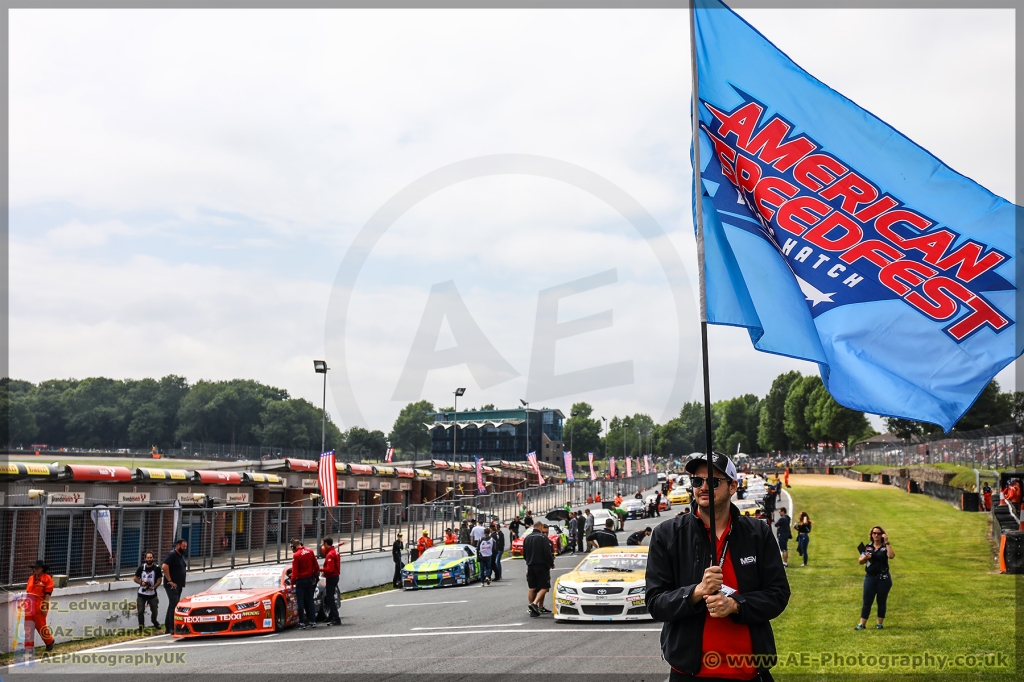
{"x":443,"y":553}
{"x":615,"y":564}
{"x":234,"y":581}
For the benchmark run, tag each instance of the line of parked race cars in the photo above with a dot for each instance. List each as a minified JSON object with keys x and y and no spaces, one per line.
{"x":607,"y":585}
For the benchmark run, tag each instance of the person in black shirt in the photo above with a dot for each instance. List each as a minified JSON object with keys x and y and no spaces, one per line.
{"x":604,"y":537}
{"x":784,"y":533}
{"x":148,"y":577}
{"x":513,"y":528}
{"x":803,"y":535}
{"x":638,"y":537}
{"x":540,"y":559}
{"x":877,"y":581}
{"x":499,"y":548}
{"x":528,"y":519}
{"x":396,"y":556}
{"x":174,"y":567}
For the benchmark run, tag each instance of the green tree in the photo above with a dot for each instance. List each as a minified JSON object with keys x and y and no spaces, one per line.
{"x":829,"y":421}
{"x":225,"y":411}
{"x":582,"y":431}
{"x":95,"y":414}
{"x":684,"y":434}
{"x":795,"y":410}
{"x":737,"y":426}
{"x":147,"y":426}
{"x":904,"y":429}
{"x":409,"y":432}
{"x":992,"y":408}
{"x":19,"y":423}
{"x":771,"y":426}
{"x":361,"y":443}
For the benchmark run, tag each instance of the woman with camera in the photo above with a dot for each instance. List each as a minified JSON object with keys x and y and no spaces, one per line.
{"x":877,"y":582}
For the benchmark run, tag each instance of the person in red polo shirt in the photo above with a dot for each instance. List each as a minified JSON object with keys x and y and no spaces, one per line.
{"x":332,"y":575}
{"x":716,"y":600}
{"x":39,"y":589}
{"x":305,"y":573}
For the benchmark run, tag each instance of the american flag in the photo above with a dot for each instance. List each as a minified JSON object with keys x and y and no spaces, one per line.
{"x":327,"y":477}
{"x":391,"y":453}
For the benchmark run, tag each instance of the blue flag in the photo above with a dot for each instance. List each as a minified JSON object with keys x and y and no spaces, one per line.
{"x":833,"y":238}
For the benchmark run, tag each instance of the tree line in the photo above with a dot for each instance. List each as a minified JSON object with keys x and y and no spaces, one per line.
{"x":110,"y":413}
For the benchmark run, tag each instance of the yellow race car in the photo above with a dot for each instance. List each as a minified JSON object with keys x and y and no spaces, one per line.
{"x":609,"y":584}
{"x":679,"y":496}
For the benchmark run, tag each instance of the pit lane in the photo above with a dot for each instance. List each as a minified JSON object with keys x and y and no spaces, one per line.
{"x":445,"y":631}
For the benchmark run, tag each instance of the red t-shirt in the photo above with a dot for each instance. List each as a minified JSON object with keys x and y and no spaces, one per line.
{"x":722,"y":635}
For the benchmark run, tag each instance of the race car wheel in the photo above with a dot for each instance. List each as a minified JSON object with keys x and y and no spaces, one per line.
{"x":280,"y":615}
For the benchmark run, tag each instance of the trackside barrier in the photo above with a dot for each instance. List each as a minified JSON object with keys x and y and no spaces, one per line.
{"x":110,"y":542}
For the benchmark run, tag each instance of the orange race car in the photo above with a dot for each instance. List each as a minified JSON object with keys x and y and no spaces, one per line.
{"x":245,"y":601}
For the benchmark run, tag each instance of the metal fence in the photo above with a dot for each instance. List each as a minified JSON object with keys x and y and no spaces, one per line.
{"x":110,"y":542}
{"x":989,"y":449}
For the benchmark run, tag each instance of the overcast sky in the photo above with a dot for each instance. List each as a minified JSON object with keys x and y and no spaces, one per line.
{"x":185,"y":184}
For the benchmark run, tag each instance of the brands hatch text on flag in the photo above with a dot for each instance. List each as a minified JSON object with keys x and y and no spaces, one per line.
{"x":863,"y":252}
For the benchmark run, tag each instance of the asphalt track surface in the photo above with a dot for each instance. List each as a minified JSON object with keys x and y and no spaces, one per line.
{"x":470,"y":633}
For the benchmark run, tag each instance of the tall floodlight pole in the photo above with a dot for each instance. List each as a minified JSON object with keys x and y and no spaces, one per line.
{"x":455,"y":422}
{"x":527,"y":406}
{"x":320,"y":367}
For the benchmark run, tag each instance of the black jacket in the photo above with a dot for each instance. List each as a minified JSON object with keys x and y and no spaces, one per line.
{"x":396,"y":551}
{"x":537,"y":550}
{"x":680,"y":551}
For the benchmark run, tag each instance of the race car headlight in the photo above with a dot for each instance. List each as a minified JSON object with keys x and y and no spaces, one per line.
{"x":181,"y":609}
{"x":565,"y":590}
{"x":638,"y":590}
{"x":247,"y":605}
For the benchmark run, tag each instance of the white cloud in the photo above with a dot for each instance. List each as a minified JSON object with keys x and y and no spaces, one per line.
{"x":188,"y":181}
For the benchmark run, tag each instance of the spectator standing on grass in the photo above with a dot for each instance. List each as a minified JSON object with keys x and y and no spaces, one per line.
{"x":716,"y":594}
{"x":784,"y":533}
{"x":148,"y":577}
{"x":875,"y":558}
{"x":332,"y":575}
{"x":173,"y":570}
{"x":305,"y":572}
{"x":486,"y":550}
{"x":539,"y":559}
{"x":396,"y":556}
{"x":986,"y":493}
{"x":588,"y":527}
{"x":803,"y":535}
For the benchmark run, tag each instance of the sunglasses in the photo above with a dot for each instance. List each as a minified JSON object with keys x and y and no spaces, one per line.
{"x":698,"y":481}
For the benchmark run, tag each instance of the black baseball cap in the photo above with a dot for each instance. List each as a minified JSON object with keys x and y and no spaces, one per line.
{"x":719,"y":461}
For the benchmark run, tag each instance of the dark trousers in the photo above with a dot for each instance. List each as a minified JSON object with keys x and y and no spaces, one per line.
{"x":153,"y":600}
{"x":572,"y":543}
{"x":330,"y":601}
{"x":173,"y":595}
{"x":304,"y":595}
{"x":580,"y":542}
{"x":397,"y":580}
{"x":801,"y":545}
{"x":486,"y":563}
{"x":497,"y":565}
{"x":875,"y":587}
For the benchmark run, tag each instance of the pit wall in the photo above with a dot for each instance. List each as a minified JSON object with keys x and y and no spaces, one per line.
{"x":83,"y":611}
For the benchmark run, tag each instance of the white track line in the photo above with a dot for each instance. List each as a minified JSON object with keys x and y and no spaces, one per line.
{"x":467,"y":627}
{"x":134,"y":641}
{"x":401,"y":635}
{"x":429,"y":603}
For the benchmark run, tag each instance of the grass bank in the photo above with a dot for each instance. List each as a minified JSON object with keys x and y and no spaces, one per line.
{"x":947,"y":598}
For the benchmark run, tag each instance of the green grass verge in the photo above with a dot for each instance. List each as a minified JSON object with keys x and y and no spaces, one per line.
{"x":947,"y":597}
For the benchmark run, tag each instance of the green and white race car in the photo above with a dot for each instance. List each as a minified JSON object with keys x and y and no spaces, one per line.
{"x":442,"y":566}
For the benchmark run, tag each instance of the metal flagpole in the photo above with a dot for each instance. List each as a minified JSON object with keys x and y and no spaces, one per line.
{"x":698,"y":201}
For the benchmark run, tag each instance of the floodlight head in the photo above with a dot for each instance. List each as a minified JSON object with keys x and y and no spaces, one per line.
{"x":320,"y":366}
{"x":459,"y":392}
{"x":198,"y":497}
{"x":314,"y":496}
{"x":523,"y":402}
{"x":35,"y":494}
